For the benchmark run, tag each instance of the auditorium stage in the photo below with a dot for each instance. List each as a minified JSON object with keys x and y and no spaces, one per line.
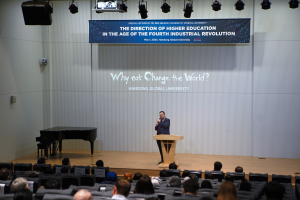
{"x":146,"y":163}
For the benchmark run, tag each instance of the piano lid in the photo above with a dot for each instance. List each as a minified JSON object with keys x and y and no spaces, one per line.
{"x":64,"y":128}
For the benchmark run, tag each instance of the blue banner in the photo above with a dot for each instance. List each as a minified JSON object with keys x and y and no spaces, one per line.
{"x":179,"y":31}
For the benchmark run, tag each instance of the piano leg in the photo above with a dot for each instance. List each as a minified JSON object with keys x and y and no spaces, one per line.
{"x":46,"y":151}
{"x":92,"y":148}
{"x":60,"y":145}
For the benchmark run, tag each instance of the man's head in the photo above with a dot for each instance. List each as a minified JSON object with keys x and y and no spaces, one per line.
{"x":194,"y":177}
{"x":66,"y":161}
{"x":4,"y":174}
{"x":24,"y":194}
{"x":100,"y":163}
{"x":185,"y":173}
{"x":111,"y":176}
{"x":245,"y":186}
{"x":41,"y":161}
{"x":217,"y":166}
{"x":174,"y":181}
{"x":172,"y":166}
{"x":229,"y":178}
{"x":274,"y":190}
{"x":206,"y":184}
{"x":52,"y":184}
{"x":163,"y":173}
{"x":162,"y":115}
{"x":122,"y":187}
{"x":190,"y":186}
{"x":238,"y":169}
{"x":137,"y":176}
{"x":64,"y":170}
{"x":83,"y":195}
{"x":18,"y":184}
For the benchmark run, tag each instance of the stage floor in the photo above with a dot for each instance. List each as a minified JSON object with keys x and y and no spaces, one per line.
{"x":146,"y":163}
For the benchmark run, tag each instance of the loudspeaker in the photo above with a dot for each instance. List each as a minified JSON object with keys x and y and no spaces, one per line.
{"x":34,"y":13}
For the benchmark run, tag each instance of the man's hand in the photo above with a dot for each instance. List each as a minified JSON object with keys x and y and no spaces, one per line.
{"x":158,"y":120}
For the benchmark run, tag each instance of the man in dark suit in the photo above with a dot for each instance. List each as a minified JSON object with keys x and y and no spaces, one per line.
{"x":162,"y":126}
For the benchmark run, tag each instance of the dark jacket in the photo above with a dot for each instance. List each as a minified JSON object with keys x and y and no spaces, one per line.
{"x":164,"y":126}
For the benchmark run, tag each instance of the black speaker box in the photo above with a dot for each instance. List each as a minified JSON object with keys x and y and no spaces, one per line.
{"x":34,"y":13}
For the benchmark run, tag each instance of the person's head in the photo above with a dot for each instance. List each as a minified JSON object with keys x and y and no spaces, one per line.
{"x":66,"y":161}
{"x":18,"y":184}
{"x":144,"y":186}
{"x":163,"y":173}
{"x":4,"y":174}
{"x":137,"y":176}
{"x":37,"y":169}
{"x":239,"y":169}
{"x":206,"y":184}
{"x":245,"y":186}
{"x":122,"y":187}
{"x":111,"y":176}
{"x":190,"y":187}
{"x":274,"y":190}
{"x":174,"y":181}
{"x":162,"y":115}
{"x":24,"y":194}
{"x":49,"y":171}
{"x":64,"y":170}
{"x":128,"y":176}
{"x":185,"y":173}
{"x":100,"y":163}
{"x":217,"y":166}
{"x":52,"y":184}
{"x":172,"y":166}
{"x":229,"y":178}
{"x":41,"y":161}
{"x":83,"y":195}
{"x":227,"y":191}
{"x":194,"y":177}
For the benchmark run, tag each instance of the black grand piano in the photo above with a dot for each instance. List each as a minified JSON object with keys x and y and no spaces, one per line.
{"x":56,"y":134}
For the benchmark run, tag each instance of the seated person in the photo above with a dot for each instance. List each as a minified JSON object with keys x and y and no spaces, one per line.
{"x":144,"y":186}
{"x":238,"y":169}
{"x":19,"y":184}
{"x":217,"y":166}
{"x":4,"y":174}
{"x":194,"y":176}
{"x":41,"y":161}
{"x":229,"y":178}
{"x":172,"y":166}
{"x":206,"y":184}
{"x":190,"y":188}
{"x":174,"y":181}
{"x":128,"y":176}
{"x":99,"y":163}
{"x":110,"y":178}
{"x":24,"y":194}
{"x":137,"y":176}
{"x":49,"y":170}
{"x":35,"y":173}
{"x":163,"y":173}
{"x":185,"y":173}
{"x":64,"y":170}
{"x":245,"y":186}
{"x":66,"y":161}
{"x":227,"y":190}
{"x":52,"y":184}
{"x":83,"y":195}
{"x":121,"y":189}
{"x":274,"y":190}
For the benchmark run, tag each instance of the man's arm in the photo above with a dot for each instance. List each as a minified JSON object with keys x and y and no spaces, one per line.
{"x":165,"y":123}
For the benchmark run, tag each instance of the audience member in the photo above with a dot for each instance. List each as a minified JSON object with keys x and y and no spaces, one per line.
{"x":49,"y":171}
{"x":174,"y":181}
{"x":155,"y":181}
{"x":18,"y":184}
{"x":83,"y":195}
{"x":128,"y":176}
{"x":99,"y":163}
{"x":121,"y":189}
{"x":137,"y":176}
{"x":185,"y":173}
{"x":245,"y":186}
{"x":194,"y":177}
{"x":163,"y":173}
{"x":4,"y":174}
{"x":185,"y":179}
{"x":229,"y":178}
{"x":217,"y":166}
{"x":172,"y":166}
{"x":144,"y":186}
{"x":64,"y":170}
{"x":110,"y":178}
{"x":52,"y":184}
{"x":274,"y":190}
{"x":24,"y":194}
{"x":41,"y":161}
{"x":66,"y":161}
{"x":35,"y":173}
{"x":206,"y":184}
{"x":239,"y":169}
{"x":190,"y":188}
{"x":227,"y":191}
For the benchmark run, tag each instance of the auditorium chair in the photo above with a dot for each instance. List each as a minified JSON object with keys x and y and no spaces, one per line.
{"x":79,"y":170}
{"x":258,"y":177}
{"x":214,"y":175}
{"x":101,"y":194}
{"x":42,"y":166}
{"x":173,"y":172}
{"x":282,"y":178}
{"x":41,"y":192}
{"x":36,"y":183}
{"x":142,"y":196}
{"x":6,"y":186}
{"x":57,"y":197}
{"x":96,"y":187}
{"x":237,"y":175}
{"x":6,"y":165}
{"x":57,"y":168}
{"x":297,"y":179}
{"x":86,"y":180}
{"x":69,"y":179}
{"x":297,"y":188}
{"x":46,"y":177}
{"x":22,"y":167}
{"x":7,"y":196}
{"x":100,"y":173}
{"x":197,"y":172}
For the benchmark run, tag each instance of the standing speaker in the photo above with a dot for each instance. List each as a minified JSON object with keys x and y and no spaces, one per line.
{"x":34,"y":13}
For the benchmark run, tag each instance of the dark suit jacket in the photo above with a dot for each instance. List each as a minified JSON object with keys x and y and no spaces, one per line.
{"x":164,"y":126}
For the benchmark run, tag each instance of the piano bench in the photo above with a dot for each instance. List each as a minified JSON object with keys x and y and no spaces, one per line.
{"x":41,"y":146}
